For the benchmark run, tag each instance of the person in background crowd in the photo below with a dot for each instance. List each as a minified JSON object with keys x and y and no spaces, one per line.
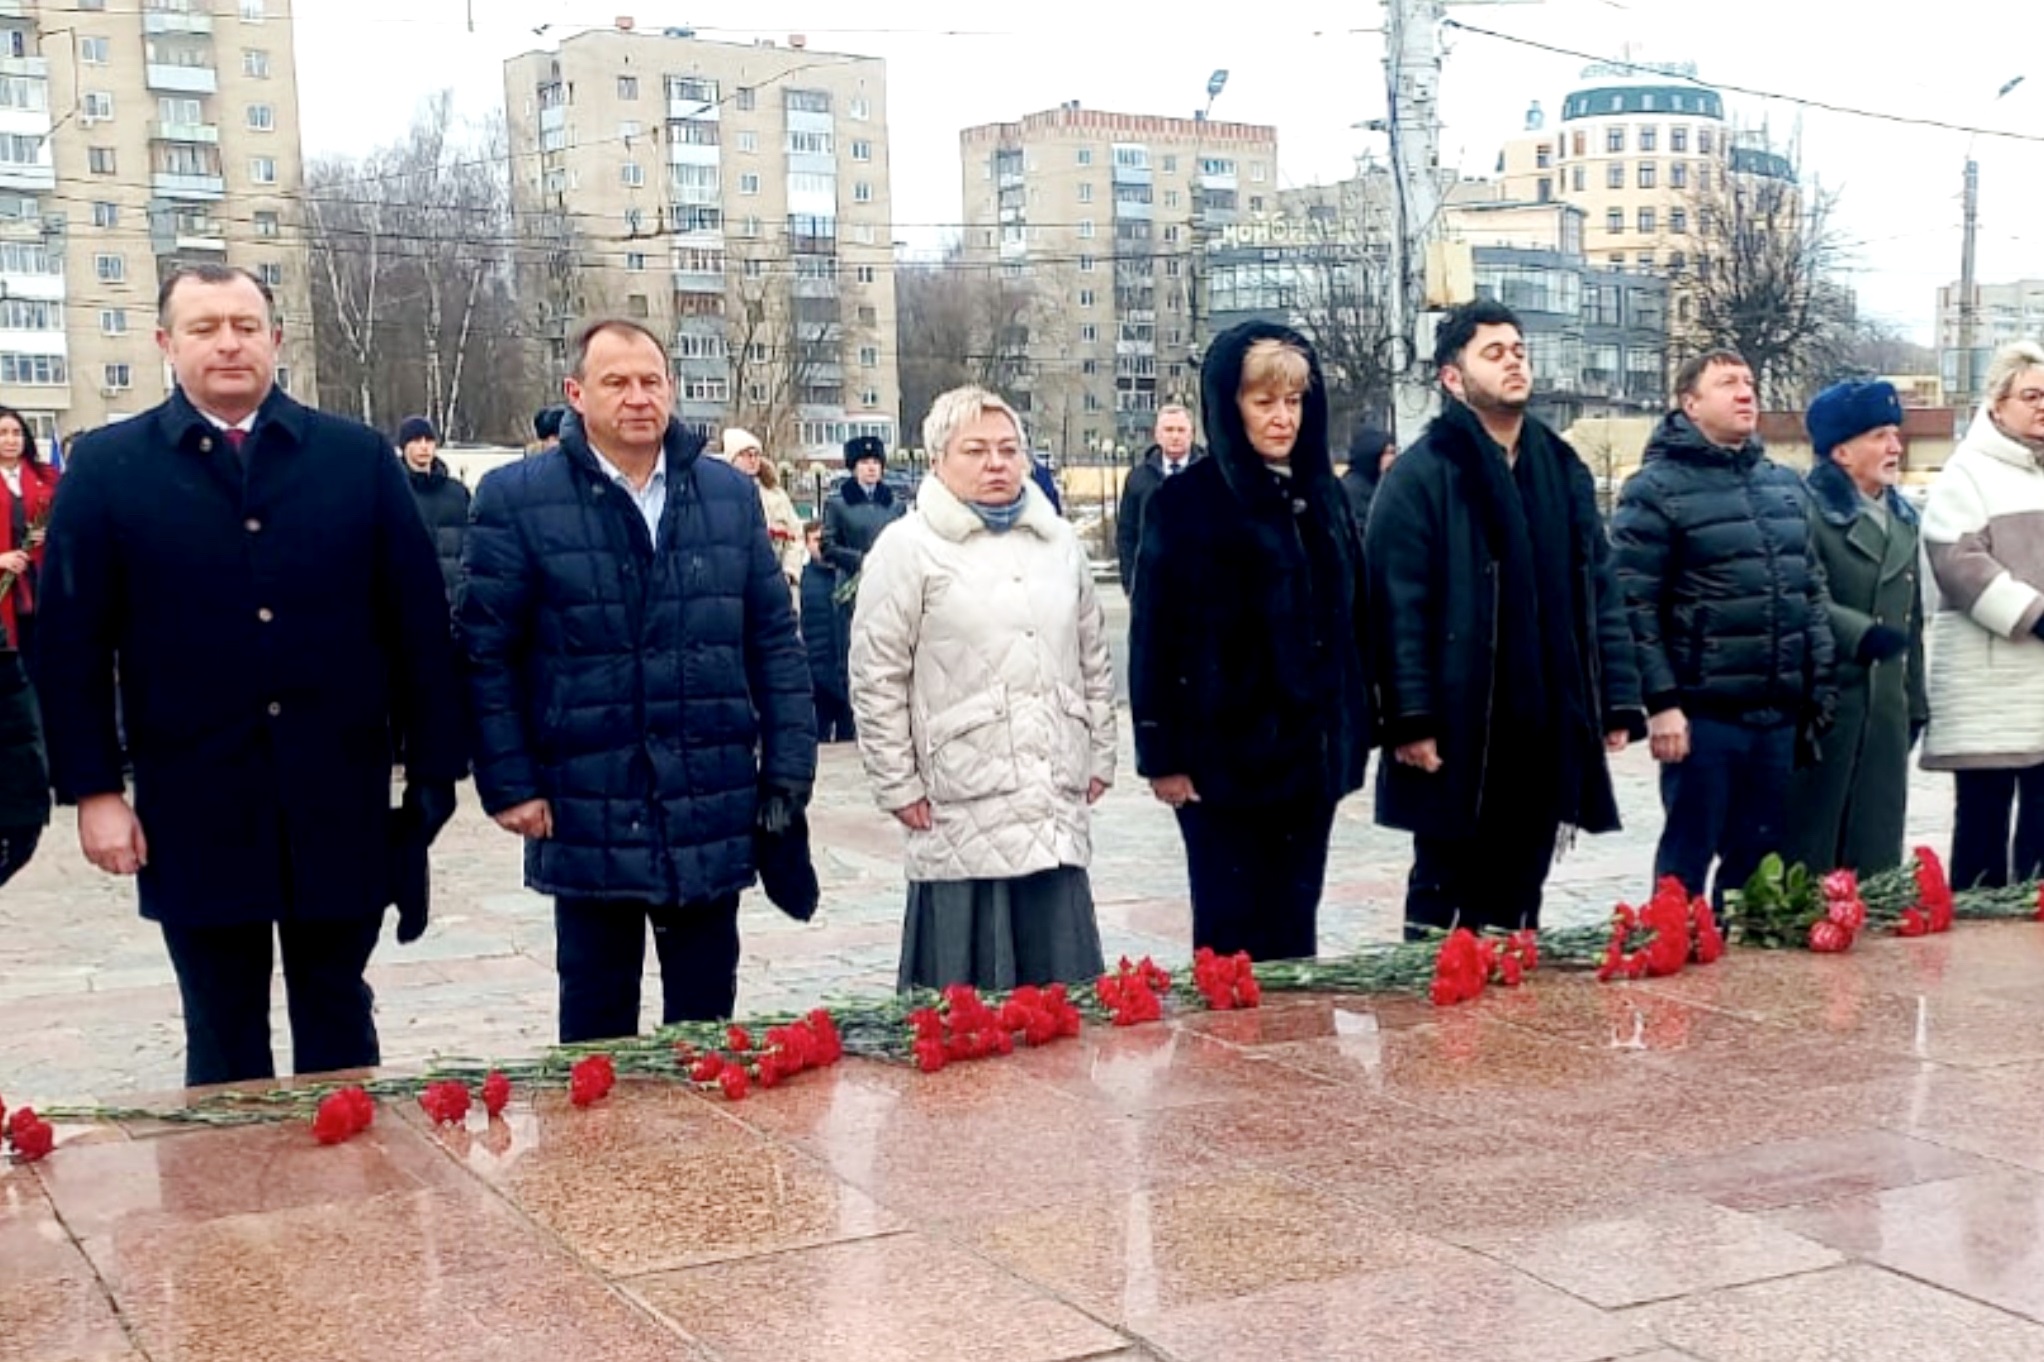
{"x":1247,"y":648}
{"x":28,"y":487}
{"x":824,"y":642}
{"x":1847,"y":809}
{"x":859,"y":510}
{"x":639,"y":693}
{"x":1046,"y":483}
{"x":1171,"y":455}
{"x":1504,"y":662}
{"x":259,"y":573}
{"x":442,"y":500}
{"x":985,"y":703}
{"x":24,"y":770}
{"x":1722,"y":583}
{"x":743,"y":451}
{"x":1369,"y":458}
{"x":546,"y":428}
{"x":1983,"y":525}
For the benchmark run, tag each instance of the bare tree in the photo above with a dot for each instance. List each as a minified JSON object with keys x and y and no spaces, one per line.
{"x":1767,"y":277}
{"x":1879,"y":347}
{"x":792,"y":322}
{"x":1340,"y":291}
{"x":965,"y":321}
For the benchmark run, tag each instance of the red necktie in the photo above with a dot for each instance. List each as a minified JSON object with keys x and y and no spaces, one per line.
{"x":236,"y":439}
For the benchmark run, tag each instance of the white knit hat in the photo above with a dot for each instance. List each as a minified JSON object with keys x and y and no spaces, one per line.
{"x":737,"y":441}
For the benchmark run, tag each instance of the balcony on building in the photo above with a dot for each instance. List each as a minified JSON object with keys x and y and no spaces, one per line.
{"x":182,"y":77}
{"x":163,"y":18}
{"x":208,"y":133}
{"x":169,"y":184}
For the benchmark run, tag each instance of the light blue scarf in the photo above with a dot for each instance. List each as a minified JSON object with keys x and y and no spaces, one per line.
{"x":998,"y":519}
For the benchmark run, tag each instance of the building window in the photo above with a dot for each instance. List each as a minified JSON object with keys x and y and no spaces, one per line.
{"x":95,"y":106}
{"x":748,"y":99}
{"x":1171,"y":269}
{"x":1085,"y":156}
{"x":263,"y":169}
{"x":1677,"y":261}
{"x":99,"y":160}
{"x":262,"y":118}
{"x":110,"y":268}
{"x":706,"y":390}
{"x":810,"y":143}
{"x":113,"y":321}
{"x":1085,"y":193}
{"x":41,"y":371}
{"x":752,"y":267}
{"x":1614,"y":221}
{"x":862,"y":150}
{"x":106,"y":215}
{"x":748,"y":184}
{"x":870,"y":397}
{"x":1614,"y":139}
{"x":1087,"y":264}
{"x":255,"y":63}
{"x":1646,"y":221}
{"x":748,"y":141}
{"x":1614,"y":175}
{"x":637,"y":306}
{"x":858,"y":108}
{"x":1087,"y":297}
{"x":807,"y":101}
{"x":867,"y":315}
{"x":635,"y":219}
{"x":1171,"y":233}
{"x":1646,"y":261}
{"x":633,"y":174}
{"x":862,"y":192}
{"x":1579,"y":144}
{"x":1648,"y":138}
{"x":627,"y":87}
{"x":1086,"y":229}
{"x":1678,"y":140}
{"x":1703,"y":141}
{"x":254,"y":11}
{"x":1678,"y":221}
{"x":117,"y":377}
{"x":1256,"y":203}
{"x":864,"y":274}
{"x":1678,"y":175}
{"x":869,"y":356}
{"x":750,"y":226}
{"x":271,"y":273}
{"x":94,"y":51}
{"x":1703,"y":179}
{"x":265,"y":224}
{"x":1089,"y":333}
{"x":1542,"y":157}
{"x":1576,"y":179}
{"x":1646,"y":175}
{"x":1089,"y":367}
{"x":27,"y":314}
{"x":1546,"y":189}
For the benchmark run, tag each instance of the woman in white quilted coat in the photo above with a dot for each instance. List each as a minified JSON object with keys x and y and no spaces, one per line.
{"x":984,"y":701}
{"x":1983,"y":528}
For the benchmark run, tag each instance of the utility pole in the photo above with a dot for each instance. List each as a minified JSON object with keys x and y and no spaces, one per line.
{"x":1969,"y":299}
{"x":1412,"y":82}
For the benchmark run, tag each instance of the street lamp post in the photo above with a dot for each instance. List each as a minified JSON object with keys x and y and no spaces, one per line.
{"x":1966,"y":372}
{"x":1195,"y":283}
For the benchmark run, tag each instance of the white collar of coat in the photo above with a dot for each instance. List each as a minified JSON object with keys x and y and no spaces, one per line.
{"x":1988,"y":438}
{"x":954,"y":520}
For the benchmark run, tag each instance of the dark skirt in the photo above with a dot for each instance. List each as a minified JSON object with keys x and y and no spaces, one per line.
{"x":998,"y":934}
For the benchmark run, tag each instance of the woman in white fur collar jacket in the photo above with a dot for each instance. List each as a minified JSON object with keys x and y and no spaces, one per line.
{"x":984,"y":701}
{"x":1983,"y":526}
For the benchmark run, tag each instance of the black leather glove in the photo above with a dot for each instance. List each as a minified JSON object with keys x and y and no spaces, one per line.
{"x":1879,"y":643}
{"x":778,"y":805}
{"x":427,"y":809}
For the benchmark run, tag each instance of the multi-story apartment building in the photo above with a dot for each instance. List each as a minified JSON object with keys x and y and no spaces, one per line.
{"x":2002,"y":313}
{"x":1108,"y":216}
{"x":732,"y":197}
{"x":134,"y":137}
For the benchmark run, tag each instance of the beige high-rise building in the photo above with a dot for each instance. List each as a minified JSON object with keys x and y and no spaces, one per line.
{"x":1107,"y":217}
{"x":133,"y":137}
{"x":734,"y":198}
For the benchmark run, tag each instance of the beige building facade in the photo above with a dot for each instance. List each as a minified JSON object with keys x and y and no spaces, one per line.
{"x":732,"y":197}
{"x":133,"y":137}
{"x":1109,"y":217}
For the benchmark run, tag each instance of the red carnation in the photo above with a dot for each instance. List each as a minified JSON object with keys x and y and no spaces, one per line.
{"x":1840,"y":884}
{"x":3,"y":1115}
{"x":1510,"y":972}
{"x":22,"y":1118}
{"x":446,"y":1102}
{"x":1526,"y":944}
{"x":1710,"y":941}
{"x":706,"y":1069}
{"x":334,"y":1121}
{"x":1914,"y":923}
{"x":930,"y":1055}
{"x":737,"y":1038}
{"x":590,"y":1080}
{"x":734,"y":1083}
{"x":1828,"y":937}
{"x":33,"y":1138}
{"x":496,"y":1094}
{"x":1459,"y":972}
{"x":361,"y":1106}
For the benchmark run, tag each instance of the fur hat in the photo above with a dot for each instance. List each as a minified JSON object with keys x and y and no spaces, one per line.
{"x":546,"y":423}
{"x":415,"y":428}
{"x":864,"y":447}
{"x":737,"y":440}
{"x":1851,"y":408}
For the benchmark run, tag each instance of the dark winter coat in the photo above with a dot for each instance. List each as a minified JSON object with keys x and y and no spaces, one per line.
{"x":853,"y":519}
{"x":1716,"y":557}
{"x":1046,"y":483}
{"x":443,"y":505}
{"x":645,"y":693}
{"x":1142,"y":484}
{"x":1246,"y":638}
{"x":276,"y":635}
{"x":24,"y":769}
{"x":1848,"y":809}
{"x":823,"y":632}
{"x":1365,"y":470}
{"x":1435,"y":593}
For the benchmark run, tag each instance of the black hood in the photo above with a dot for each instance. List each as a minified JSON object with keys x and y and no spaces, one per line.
{"x":1220,"y":379}
{"x":1366,"y":453}
{"x":683,"y":446}
{"x":1678,"y":438}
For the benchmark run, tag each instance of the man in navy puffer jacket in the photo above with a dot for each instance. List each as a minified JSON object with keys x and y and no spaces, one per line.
{"x":639,"y":693}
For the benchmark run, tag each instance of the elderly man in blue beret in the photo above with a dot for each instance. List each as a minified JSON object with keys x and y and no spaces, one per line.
{"x":1847,"y":810}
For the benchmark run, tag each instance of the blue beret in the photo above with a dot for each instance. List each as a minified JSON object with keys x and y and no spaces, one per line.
{"x":1852,"y":408}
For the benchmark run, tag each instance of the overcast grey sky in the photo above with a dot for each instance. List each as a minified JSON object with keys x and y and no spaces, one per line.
{"x":1313,"y":68}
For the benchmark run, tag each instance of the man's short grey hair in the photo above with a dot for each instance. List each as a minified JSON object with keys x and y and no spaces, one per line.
{"x":1173,"y":409}
{"x":959,"y":408}
{"x":578,"y":350}
{"x":2008,"y":364}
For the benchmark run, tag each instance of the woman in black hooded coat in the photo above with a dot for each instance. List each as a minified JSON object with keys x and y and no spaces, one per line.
{"x":1247,"y":668}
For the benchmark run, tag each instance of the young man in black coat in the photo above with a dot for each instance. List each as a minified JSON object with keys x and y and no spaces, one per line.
{"x":639,"y":692}
{"x":1247,"y":651}
{"x":824,"y":642}
{"x":1504,"y":664}
{"x":443,"y":501}
{"x":256,"y":573}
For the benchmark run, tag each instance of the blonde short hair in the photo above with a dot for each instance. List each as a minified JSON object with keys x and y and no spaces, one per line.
{"x":2009,"y":363}
{"x":959,"y":408}
{"x":1274,"y":363}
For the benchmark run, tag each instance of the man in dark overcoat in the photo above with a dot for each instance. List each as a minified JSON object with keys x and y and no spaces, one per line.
{"x":256,"y":576}
{"x":640,"y":695}
{"x":1504,"y":663}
